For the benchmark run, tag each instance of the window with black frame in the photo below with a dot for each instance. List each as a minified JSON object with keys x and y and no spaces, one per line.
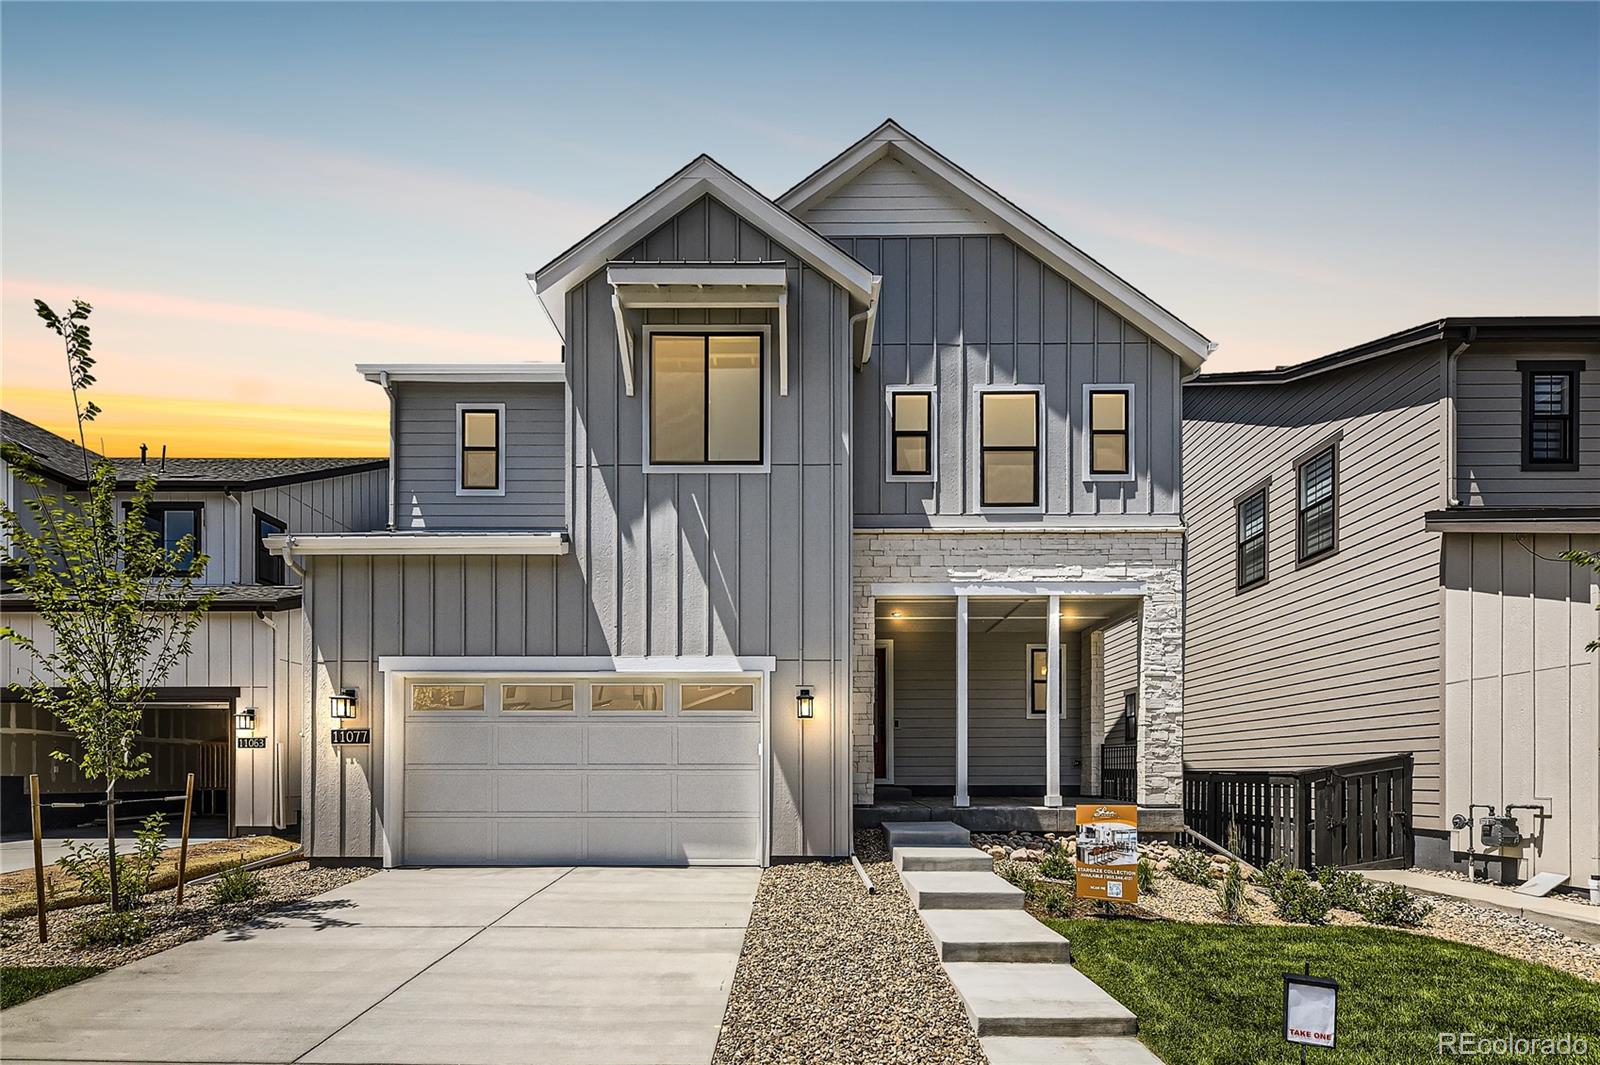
{"x":1108,"y":432}
{"x":269,"y":567}
{"x":1008,"y":449}
{"x":1130,"y":717}
{"x":910,"y":433}
{"x":1549,"y":415}
{"x":480,"y":449}
{"x":707,"y":403}
{"x":1318,"y":505}
{"x":170,"y":523}
{"x":1251,"y":561}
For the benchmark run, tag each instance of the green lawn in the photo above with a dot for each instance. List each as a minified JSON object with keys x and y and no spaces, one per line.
{"x":1210,"y":994}
{"x":19,"y":983}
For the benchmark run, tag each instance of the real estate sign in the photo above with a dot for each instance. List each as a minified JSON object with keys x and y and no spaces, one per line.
{"x":1108,"y":852}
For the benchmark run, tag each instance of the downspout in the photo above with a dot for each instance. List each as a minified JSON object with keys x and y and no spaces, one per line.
{"x":1450,"y":456}
{"x":287,"y":553}
{"x":871,"y":317}
{"x":383,"y":380}
{"x":278,"y":818}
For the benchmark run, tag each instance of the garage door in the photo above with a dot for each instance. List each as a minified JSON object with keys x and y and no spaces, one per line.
{"x":538,"y":770}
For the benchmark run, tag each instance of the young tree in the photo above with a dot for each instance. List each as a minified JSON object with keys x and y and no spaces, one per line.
{"x":1590,"y":559}
{"x":122,"y":606}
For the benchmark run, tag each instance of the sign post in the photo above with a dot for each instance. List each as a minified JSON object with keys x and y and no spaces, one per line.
{"x":1108,"y":852}
{"x":1310,"y":1010}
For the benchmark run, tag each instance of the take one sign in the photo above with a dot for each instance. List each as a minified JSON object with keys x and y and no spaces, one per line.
{"x":1108,"y":852}
{"x":1310,"y":1009}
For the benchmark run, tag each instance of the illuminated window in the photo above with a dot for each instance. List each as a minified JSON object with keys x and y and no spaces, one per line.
{"x":738,"y":698}
{"x":1008,"y":449}
{"x":428,"y":698}
{"x":911,"y":437}
{"x":536,"y":698}
{"x":627,"y":697}
{"x":706,"y":402}
{"x":480,"y":462}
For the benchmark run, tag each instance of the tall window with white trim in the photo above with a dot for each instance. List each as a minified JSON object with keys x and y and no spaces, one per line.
{"x":1008,"y":448}
{"x":707,"y":406}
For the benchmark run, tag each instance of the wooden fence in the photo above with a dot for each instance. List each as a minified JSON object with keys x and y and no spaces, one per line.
{"x":1353,"y":815}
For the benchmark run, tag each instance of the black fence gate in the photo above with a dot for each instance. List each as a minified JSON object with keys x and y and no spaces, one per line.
{"x":1119,"y":771}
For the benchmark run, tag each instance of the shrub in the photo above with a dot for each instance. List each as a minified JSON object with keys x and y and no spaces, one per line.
{"x":1191,"y":865}
{"x":1272,"y":875}
{"x":88,"y":865}
{"x":1052,"y":900}
{"x":1344,"y":887}
{"x":1392,"y":904}
{"x":1297,"y":898}
{"x":1016,"y":873}
{"x":236,"y":884}
{"x":1147,"y":877}
{"x":1230,"y":892}
{"x":1057,"y":865}
{"x":122,"y":929}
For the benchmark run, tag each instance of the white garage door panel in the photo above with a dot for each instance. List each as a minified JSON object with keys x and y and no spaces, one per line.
{"x":579,"y":786}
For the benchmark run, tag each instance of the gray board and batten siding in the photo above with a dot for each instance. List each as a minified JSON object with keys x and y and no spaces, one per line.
{"x":1336,"y":659}
{"x":661,"y":564}
{"x":958,"y":312}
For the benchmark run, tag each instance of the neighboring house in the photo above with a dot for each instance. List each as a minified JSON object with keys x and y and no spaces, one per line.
{"x":1374,"y":542}
{"x":247,"y":654}
{"x":849,"y":487}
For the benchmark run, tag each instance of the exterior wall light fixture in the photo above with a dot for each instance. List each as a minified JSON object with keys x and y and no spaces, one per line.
{"x":244,"y":719}
{"x":805,"y":704}
{"x":342,"y":704}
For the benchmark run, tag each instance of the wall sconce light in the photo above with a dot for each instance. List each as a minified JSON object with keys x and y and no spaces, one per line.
{"x":805,"y":704}
{"x":342,"y":704}
{"x":244,"y":719}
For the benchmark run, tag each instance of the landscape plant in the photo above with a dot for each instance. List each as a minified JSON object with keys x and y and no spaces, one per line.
{"x":1057,"y":865}
{"x":236,"y":884}
{"x":1191,"y":865}
{"x":122,"y":606}
{"x":1343,"y":887}
{"x":1146,"y":873}
{"x":1391,"y":904}
{"x":1298,"y":899}
{"x":88,"y":865}
{"x":1230,"y":893}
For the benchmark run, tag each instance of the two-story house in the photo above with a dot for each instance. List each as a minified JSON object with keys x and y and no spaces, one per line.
{"x":231,"y":712}
{"x":1374,"y":569}
{"x":851,"y":486}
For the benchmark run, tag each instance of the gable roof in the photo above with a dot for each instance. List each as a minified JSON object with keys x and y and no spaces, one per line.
{"x":62,"y":460}
{"x":891,"y":140}
{"x":703,"y":176}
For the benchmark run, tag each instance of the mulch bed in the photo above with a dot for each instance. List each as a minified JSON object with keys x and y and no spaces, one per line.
{"x":832,"y":974}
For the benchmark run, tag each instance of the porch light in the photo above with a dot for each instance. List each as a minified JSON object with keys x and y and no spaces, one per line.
{"x":244,"y":719}
{"x":805,"y":704}
{"x":342,"y":704}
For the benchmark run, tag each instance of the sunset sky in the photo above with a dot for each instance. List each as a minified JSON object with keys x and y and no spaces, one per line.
{"x":256,"y":197}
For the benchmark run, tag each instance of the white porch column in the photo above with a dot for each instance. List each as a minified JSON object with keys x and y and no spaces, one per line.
{"x":1052,"y":707}
{"x":962,"y":798}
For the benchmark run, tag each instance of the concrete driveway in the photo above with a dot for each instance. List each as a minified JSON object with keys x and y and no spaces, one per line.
{"x":426,"y":966}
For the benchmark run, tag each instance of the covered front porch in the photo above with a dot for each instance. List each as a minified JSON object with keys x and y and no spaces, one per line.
{"x":1015,"y":700}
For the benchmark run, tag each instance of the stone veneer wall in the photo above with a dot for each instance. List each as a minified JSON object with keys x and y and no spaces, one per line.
{"x":1154,"y":559}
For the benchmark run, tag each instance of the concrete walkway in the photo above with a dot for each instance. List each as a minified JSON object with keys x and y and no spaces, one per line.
{"x":427,"y":967}
{"x":16,"y":852}
{"x":1025,"y":1000}
{"x":1576,"y":919}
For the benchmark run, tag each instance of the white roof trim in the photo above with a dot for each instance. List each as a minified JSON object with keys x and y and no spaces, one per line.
{"x":536,"y":373}
{"x":890,"y":138}
{"x":704,"y":176}
{"x":418,"y":543}
{"x":447,"y":665}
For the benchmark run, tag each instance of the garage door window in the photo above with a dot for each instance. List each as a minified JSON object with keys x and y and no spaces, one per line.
{"x":726,"y":698}
{"x":536,"y":698}
{"x":638,"y":698}
{"x":445,"y":697}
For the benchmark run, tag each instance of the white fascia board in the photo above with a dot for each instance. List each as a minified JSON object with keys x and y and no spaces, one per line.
{"x":701,"y":177}
{"x":1030,"y":589}
{"x":537,"y":373}
{"x":1038,"y":239}
{"x":413,"y":543}
{"x":499,"y":664}
{"x":731,"y":275}
{"x":1514,"y":525}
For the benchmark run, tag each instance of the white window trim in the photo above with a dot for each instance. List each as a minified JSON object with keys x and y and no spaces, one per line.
{"x":975,"y":459}
{"x":1087,"y":440}
{"x":932,"y":392}
{"x":765,"y":465}
{"x":500,"y":448}
{"x":1027,"y":704}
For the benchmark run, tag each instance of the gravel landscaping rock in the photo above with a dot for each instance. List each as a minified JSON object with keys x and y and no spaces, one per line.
{"x":285,"y":888}
{"x":832,"y":974}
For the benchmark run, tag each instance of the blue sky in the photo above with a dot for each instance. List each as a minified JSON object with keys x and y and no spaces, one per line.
{"x":258,"y":196}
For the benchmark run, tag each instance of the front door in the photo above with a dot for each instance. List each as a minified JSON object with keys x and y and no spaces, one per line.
{"x":880,"y":715}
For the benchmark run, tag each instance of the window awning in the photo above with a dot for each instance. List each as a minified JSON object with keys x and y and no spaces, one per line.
{"x":643,"y":287}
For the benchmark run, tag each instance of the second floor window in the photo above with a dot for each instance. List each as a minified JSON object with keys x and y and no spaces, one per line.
{"x":706,"y":402}
{"x":1008,"y":449}
{"x":910,"y":433}
{"x":1549,"y":415}
{"x":169,"y":523}
{"x":1109,"y":453}
{"x":1252,"y":539}
{"x":1318,"y":478}
{"x":269,"y":567}
{"x":481,"y":462}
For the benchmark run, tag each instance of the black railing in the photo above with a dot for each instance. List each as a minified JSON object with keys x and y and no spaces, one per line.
{"x":1119,"y":771}
{"x":1356,"y":814}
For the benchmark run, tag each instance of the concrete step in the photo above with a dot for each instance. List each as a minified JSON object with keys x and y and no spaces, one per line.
{"x":919,"y":859}
{"x":994,"y":935}
{"x":890,"y":793}
{"x":961,"y":891}
{"x":1093,"y":1050}
{"x":926,"y":834}
{"x":1036,"y":1000}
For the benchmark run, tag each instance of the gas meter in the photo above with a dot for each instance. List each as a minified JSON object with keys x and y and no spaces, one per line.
{"x":1499,"y":831}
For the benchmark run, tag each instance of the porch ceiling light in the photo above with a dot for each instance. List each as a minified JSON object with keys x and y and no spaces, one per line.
{"x":805,"y":704}
{"x":342,"y":704}
{"x":244,"y":719}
